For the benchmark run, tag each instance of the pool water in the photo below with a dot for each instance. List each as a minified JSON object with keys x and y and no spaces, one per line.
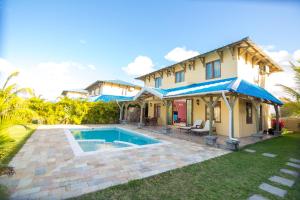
{"x":109,"y":138}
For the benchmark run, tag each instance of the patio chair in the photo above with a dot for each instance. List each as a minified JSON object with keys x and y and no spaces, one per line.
{"x":197,"y":124}
{"x":205,"y":129}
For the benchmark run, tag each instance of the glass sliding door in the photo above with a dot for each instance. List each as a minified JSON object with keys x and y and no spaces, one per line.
{"x":189,"y":112}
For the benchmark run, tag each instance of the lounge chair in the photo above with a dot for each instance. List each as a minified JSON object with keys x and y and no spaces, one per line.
{"x":205,"y":129}
{"x":197,"y":124}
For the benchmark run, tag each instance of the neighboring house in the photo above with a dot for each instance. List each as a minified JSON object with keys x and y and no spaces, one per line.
{"x":225,"y":84}
{"x":112,"y":90}
{"x":106,"y":90}
{"x":75,"y":94}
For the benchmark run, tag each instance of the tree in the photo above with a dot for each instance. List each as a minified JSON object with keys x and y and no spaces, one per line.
{"x":13,"y":109}
{"x":291,"y":105}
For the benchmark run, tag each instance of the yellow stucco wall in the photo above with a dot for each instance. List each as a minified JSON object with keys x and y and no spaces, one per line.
{"x":249,"y":72}
{"x":241,"y":128}
{"x":228,"y":70}
{"x":230,"y":67}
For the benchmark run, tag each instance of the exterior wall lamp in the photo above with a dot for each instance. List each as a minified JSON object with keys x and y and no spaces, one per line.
{"x":198,"y":102}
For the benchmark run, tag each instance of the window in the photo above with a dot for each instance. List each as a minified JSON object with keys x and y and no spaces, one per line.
{"x":158,"y":82}
{"x":217,"y":112}
{"x":248,"y":113}
{"x":179,"y":76}
{"x":213,"y":69}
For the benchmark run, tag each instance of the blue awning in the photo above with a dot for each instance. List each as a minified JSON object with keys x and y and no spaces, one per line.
{"x":249,"y":89}
{"x":235,"y":85}
{"x":109,"y":98}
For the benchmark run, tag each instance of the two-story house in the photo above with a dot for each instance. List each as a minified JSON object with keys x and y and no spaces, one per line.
{"x":225,"y":85}
{"x":75,"y":94}
{"x":105,"y":90}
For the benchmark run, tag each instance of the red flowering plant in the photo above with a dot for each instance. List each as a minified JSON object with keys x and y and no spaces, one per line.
{"x":273,"y":124}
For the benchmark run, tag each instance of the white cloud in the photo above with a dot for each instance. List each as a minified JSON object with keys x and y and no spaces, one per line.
{"x":50,"y":78}
{"x":83,"y":42}
{"x":92,"y":67}
{"x":6,"y":68}
{"x":296,"y":55}
{"x":283,"y":58}
{"x":141,"y":65}
{"x":180,"y":53}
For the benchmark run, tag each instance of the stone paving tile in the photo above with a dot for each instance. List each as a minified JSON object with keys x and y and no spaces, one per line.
{"x":257,"y":197}
{"x":293,"y":165}
{"x":294,"y":160}
{"x":250,"y":150}
{"x":290,"y":172}
{"x":270,"y":155}
{"x":282,"y":181}
{"x":273,"y":190}
{"x":55,"y":173}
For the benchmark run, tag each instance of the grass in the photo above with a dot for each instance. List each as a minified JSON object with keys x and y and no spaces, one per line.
{"x":8,"y":150}
{"x":19,"y":134}
{"x":233,"y":176}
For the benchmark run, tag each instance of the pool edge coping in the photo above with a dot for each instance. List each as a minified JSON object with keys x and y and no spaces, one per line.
{"x":79,"y":152}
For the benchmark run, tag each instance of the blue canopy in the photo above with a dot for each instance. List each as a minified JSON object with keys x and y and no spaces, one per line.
{"x":224,"y":85}
{"x":108,"y":98}
{"x":250,"y":89}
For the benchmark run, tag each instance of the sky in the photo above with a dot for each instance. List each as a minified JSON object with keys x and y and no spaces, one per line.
{"x":67,"y":44}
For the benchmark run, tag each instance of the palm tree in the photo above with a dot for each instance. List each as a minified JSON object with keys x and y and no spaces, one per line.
{"x":292,"y":105}
{"x":12,"y":107}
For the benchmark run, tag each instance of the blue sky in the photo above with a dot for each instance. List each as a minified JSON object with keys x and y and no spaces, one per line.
{"x":73,"y":43}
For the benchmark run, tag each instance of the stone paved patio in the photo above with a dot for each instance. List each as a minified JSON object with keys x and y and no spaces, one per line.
{"x":196,"y":138}
{"x":46,"y":167}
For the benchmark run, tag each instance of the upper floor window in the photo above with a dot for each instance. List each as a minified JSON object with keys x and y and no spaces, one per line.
{"x":158,"y":82}
{"x":179,"y":76}
{"x":213,"y":69}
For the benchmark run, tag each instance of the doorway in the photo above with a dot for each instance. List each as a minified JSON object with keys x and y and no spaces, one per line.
{"x":179,"y":112}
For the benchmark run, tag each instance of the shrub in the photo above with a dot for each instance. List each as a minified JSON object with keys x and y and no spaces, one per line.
{"x":102,"y":113}
{"x":72,"y":111}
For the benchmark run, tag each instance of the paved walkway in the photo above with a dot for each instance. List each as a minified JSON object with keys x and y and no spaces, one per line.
{"x":287,"y":182}
{"x":47,"y":168}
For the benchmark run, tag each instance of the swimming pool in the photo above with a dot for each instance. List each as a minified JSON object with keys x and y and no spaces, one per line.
{"x":98,"y":139}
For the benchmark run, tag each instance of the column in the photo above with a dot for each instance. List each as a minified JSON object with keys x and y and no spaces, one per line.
{"x":121,"y":112}
{"x":126,"y":112}
{"x":230,"y":105}
{"x":277,"y":117}
{"x":211,"y":115}
{"x":141,"y":114}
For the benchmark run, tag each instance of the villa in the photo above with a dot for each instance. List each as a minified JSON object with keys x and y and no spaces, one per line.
{"x":105,"y":90}
{"x":225,"y":86}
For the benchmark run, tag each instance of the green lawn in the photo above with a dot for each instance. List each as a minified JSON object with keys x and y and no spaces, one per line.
{"x":233,"y":176}
{"x":19,"y":134}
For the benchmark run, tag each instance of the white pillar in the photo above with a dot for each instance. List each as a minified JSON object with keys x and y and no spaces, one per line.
{"x":121,"y":112}
{"x":141,"y":114}
{"x":230,"y":105}
{"x":126,"y":112}
{"x":277,"y":117}
{"x":211,"y":115}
